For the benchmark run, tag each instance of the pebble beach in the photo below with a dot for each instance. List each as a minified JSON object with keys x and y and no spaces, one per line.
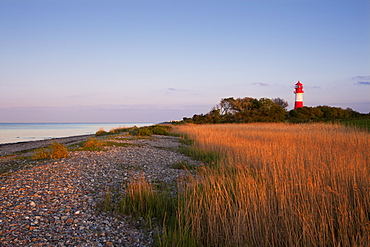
{"x":54,"y":202}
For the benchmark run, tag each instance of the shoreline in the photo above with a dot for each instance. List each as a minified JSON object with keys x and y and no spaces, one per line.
{"x":10,"y":148}
{"x":14,"y":133}
{"x":48,"y":200}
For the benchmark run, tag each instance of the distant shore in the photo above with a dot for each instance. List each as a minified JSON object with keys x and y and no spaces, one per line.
{"x":10,"y":148}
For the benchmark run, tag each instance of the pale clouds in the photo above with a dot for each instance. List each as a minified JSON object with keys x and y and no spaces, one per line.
{"x":262,"y":84}
{"x":313,"y":87}
{"x":363,"y":83}
{"x":361,"y":77}
{"x":362,"y":80}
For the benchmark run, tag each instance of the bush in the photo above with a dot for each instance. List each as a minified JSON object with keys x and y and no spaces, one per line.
{"x":92,"y":142}
{"x":150,"y":130}
{"x":160,"y":130}
{"x":101,"y":132}
{"x":41,"y":154}
{"x":54,"y":151}
{"x":145,"y":131}
{"x":120,"y":130}
{"x":58,"y":151}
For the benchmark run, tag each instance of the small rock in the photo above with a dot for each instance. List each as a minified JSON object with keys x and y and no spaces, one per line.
{"x":69,"y":221}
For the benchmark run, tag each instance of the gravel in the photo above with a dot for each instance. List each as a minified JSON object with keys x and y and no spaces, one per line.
{"x":54,"y":202}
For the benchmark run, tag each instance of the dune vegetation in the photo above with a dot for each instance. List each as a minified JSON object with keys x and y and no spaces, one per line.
{"x":277,"y":184}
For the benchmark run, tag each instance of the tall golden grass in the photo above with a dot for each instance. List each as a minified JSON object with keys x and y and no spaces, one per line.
{"x":280,"y":185}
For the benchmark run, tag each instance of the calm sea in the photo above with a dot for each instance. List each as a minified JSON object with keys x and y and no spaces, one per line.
{"x":20,"y":132}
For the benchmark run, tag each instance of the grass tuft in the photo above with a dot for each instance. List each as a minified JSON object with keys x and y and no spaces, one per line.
{"x":141,"y":200}
{"x":41,"y":154}
{"x":106,"y":204}
{"x":58,"y":151}
{"x":183,"y":165}
{"x":92,"y":144}
{"x":210,"y":158}
{"x":54,"y":151}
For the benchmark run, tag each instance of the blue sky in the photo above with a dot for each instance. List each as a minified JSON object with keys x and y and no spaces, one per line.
{"x":156,"y":60}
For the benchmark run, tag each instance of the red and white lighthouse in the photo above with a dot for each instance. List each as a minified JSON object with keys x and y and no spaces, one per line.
{"x":298,"y":95}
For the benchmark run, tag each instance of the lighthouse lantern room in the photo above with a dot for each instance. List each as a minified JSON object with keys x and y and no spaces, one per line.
{"x":298,"y":95}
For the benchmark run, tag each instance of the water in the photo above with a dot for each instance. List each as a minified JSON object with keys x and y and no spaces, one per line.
{"x":20,"y":132}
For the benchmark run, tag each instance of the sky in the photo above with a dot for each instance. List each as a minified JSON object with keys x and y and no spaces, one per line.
{"x":157,"y":60}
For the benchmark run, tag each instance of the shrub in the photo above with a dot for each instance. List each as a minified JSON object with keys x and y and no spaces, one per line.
{"x":101,"y":132}
{"x":143,"y":131}
{"x":120,"y":130}
{"x":150,"y":130}
{"x":54,"y":151}
{"x":92,"y":142}
{"x":41,"y":154}
{"x":160,"y":130}
{"x":58,"y":151}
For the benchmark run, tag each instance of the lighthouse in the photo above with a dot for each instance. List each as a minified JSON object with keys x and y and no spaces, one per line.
{"x":298,"y":95}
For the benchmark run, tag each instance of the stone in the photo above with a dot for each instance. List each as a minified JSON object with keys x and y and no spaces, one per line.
{"x":57,"y":202}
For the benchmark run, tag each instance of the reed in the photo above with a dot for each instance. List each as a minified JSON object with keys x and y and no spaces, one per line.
{"x":279,"y":185}
{"x":143,"y":200}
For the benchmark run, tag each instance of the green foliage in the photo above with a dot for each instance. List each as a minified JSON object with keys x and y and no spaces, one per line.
{"x":151,"y":130}
{"x":243,"y":110}
{"x":118,"y":144}
{"x":92,"y":144}
{"x":183,"y":165}
{"x":101,"y":132}
{"x":135,"y":131}
{"x":41,"y":154}
{"x":141,"y":200}
{"x":119,"y":130}
{"x":323,"y":113}
{"x":208,"y":157}
{"x":99,"y":145}
{"x":357,"y":123}
{"x":184,"y":139}
{"x":160,"y":130}
{"x":248,"y":110}
{"x":177,"y":235}
{"x":106,"y":204}
{"x":144,"y":131}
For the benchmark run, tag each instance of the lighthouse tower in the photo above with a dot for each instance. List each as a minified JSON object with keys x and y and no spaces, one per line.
{"x":298,"y":95}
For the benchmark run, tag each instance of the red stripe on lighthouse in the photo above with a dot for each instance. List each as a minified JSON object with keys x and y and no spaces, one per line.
{"x":298,"y":104}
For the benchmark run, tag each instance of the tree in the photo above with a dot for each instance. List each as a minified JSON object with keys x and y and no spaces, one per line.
{"x":243,"y":110}
{"x":280,"y":102}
